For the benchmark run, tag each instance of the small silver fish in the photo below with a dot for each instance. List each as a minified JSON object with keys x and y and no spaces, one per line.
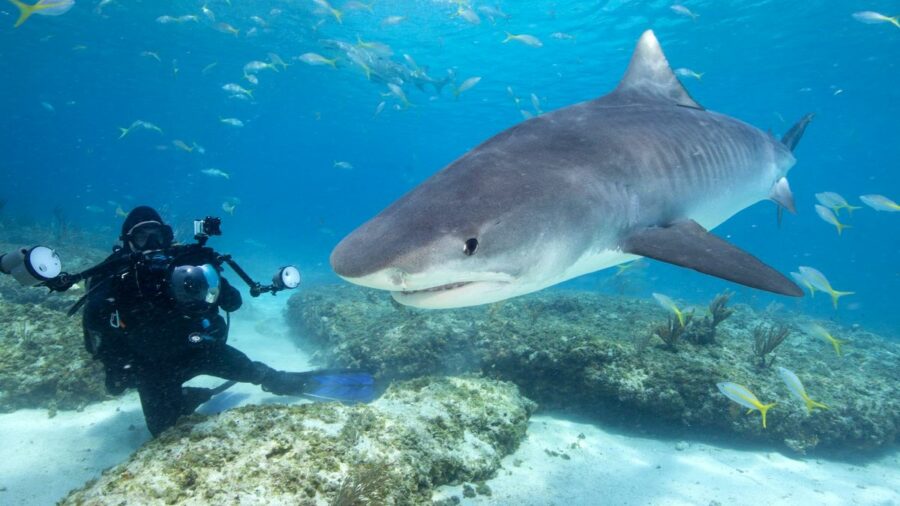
{"x":232,"y":122}
{"x":215,"y":173}
{"x":392,"y":20}
{"x":684,"y":11}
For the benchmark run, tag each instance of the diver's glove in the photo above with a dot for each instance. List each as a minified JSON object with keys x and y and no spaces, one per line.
{"x":193,"y":397}
{"x":345,"y":385}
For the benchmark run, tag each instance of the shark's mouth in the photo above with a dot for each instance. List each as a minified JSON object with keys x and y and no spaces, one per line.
{"x":457,"y":294}
{"x":439,"y":288}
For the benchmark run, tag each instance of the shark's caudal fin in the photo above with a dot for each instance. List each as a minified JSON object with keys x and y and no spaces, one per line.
{"x":687,"y":244}
{"x":792,"y":137}
{"x":650,"y":79}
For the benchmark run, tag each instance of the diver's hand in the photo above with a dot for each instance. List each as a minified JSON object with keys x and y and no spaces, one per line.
{"x":60,"y":283}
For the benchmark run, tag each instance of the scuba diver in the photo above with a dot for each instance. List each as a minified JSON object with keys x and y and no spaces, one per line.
{"x":152,"y":317}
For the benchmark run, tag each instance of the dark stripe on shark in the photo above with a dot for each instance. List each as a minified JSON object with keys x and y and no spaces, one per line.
{"x":687,"y":244}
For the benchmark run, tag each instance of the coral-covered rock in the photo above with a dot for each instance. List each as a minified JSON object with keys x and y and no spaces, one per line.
{"x":421,"y":434}
{"x":592,"y":353}
{"x":43,"y":363}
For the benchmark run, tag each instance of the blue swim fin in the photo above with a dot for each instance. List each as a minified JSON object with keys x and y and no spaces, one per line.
{"x":345,"y":385}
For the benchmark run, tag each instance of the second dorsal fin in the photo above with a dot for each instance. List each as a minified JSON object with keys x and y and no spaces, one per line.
{"x":650,"y":79}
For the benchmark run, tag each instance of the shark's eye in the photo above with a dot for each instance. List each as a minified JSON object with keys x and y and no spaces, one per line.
{"x":471,"y":246}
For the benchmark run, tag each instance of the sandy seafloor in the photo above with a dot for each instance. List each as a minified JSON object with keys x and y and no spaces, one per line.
{"x":42,"y":458}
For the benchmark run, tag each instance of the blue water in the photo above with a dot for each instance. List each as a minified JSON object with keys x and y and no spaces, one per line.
{"x":767,"y":63}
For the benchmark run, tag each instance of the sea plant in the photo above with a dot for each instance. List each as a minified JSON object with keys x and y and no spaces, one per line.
{"x":718,"y":308}
{"x":704,"y":331}
{"x":672,"y":331}
{"x":365,"y":484}
{"x":765,"y":339}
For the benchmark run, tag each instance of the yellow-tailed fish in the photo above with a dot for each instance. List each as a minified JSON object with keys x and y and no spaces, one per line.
{"x":524,"y":38}
{"x":468,"y":14}
{"x":836,"y":202}
{"x":226,"y":28}
{"x":686,"y":72}
{"x":880,"y":203}
{"x":795,"y":386}
{"x":338,"y":15}
{"x":139,"y":124}
{"x":829,"y":217}
{"x":741,"y":395}
{"x":237,"y":89}
{"x":818,"y":280}
{"x":872,"y":17}
{"x":818,"y":330}
{"x":801,"y":280}
{"x":669,"y":304}
{"x":317,"y":59}
{"x":622,"y":269}
{"x":398,"y":92}
{"x":379,"y":48}
{"x":41,"y":7}
{"x":120,"y":213}
{"x":276,"y":60}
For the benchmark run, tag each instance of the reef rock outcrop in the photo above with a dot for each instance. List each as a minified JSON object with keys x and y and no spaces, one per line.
{"x":420,"y":434}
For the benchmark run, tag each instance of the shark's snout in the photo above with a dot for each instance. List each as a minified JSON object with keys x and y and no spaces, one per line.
{"x":347,"y":261}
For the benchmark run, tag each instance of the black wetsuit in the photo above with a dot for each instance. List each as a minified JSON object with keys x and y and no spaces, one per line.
{"x":141,"y":334}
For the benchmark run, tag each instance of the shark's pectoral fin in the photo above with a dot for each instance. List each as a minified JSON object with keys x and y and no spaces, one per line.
{"x":687,"y":244}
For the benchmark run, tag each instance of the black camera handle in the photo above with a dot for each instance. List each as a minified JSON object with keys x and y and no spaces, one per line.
{"x":256,"y":288}
{"x":118,"y":265}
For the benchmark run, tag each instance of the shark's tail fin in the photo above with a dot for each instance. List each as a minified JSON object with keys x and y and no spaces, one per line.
{"x":792,"y":137}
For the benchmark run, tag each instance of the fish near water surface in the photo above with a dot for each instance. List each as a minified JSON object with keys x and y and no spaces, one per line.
{"x":642,"y":171}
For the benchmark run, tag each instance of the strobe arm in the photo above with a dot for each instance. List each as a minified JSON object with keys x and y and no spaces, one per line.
{"x":287,"y":278}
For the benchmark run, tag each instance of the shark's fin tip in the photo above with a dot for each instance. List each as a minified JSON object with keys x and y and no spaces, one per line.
{"x":650,"y":79}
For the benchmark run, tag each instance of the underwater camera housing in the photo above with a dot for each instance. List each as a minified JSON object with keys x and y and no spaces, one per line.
{"x":41,"y":266}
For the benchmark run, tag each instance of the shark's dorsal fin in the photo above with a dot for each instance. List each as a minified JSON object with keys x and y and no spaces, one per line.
{"x":650,"y":79}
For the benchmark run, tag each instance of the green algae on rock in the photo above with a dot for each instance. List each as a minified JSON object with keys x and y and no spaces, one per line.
{"x":43,"y":363}
{"x":421,"y":434}
{"x":584,"y":351}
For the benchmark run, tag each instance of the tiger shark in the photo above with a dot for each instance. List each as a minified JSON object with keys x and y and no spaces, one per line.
{"x":644,"y":171}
